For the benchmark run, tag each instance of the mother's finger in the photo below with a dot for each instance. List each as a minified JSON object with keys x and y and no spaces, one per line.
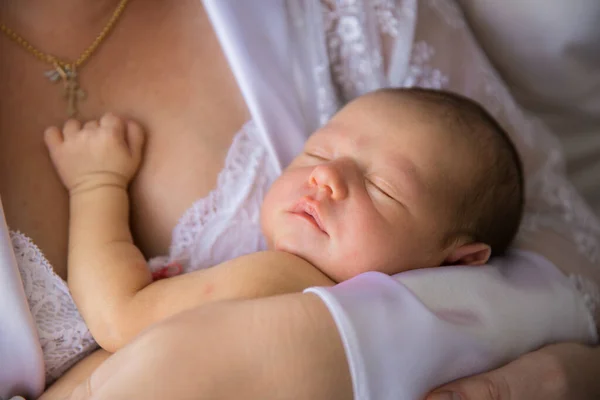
{"x":556,"y":372}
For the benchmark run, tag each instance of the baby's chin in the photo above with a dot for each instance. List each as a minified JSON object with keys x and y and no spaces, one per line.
{"x":315,"y":258}
{"x":297,"y":249}
{"x":289,"y":247}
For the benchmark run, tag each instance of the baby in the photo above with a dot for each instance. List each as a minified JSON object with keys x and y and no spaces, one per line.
{"x":399,"y":179}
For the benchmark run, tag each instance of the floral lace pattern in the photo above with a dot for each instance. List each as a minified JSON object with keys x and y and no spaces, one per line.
{"x":420,"y":72}
{"x":64,"y":337}
{"x":221,"y":226}
{"x":356,"y":69}
{"x":355,"y":63}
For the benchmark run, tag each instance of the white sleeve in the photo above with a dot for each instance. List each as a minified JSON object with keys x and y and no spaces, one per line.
{"x":408,"y":334}
{"x":21,"y":360}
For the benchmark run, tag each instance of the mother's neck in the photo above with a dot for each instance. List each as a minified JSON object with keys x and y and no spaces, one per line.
{"x":19,"y":14}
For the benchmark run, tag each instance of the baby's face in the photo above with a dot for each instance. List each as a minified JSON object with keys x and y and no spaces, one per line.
{"x":369,"y":193}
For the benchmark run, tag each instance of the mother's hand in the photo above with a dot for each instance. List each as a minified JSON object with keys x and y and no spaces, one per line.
{"x":557,"y":372}
{"x":252,"y":349}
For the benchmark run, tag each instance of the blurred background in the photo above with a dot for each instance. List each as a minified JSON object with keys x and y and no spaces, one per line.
{"x":548,"y":51}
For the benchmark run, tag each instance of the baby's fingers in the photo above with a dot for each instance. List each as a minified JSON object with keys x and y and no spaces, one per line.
{"x":135,"y":139}
{"x":53,"y":137}
{"x":114,"y":124}
{"x":71,"y":129}
{"x":91,"y":125}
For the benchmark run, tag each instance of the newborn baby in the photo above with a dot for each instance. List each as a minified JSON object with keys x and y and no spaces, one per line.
{"x":399,"y":179}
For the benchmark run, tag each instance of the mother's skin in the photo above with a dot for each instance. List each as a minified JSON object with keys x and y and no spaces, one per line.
{"x":162,"y":65}
{"x":172,"y":77}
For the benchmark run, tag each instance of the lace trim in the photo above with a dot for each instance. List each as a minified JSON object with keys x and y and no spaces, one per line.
{"x":240,"y":189}
{"x":420,"y":71}
{"x":63,"y":335}
{"x":354,"y":68}
{"x":590,"y":294}
{"x":355,"y":63}
{"x":386,"y":18}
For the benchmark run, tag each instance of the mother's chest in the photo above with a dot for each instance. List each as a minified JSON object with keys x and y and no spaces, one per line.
{"x":180,"y":88}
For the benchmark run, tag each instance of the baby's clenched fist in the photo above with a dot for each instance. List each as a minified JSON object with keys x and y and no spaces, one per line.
{"x":104,"y":152}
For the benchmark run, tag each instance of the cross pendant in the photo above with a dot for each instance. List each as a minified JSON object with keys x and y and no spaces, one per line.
{"x":73,"y":93}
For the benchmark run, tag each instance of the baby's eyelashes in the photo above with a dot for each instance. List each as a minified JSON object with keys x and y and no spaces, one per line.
{"x":373,"y":185}
{"x":381,"y":187}
{"x":316,"y":156}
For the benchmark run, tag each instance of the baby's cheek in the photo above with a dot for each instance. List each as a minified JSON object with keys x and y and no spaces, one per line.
{"x":361,"y":255}
{"x":363,"y":243}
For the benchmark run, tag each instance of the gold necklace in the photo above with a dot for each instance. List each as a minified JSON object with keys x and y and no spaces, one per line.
{"x":64,"y":71}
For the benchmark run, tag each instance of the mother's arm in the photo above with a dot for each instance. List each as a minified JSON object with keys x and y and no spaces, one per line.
{"x":65,"y":385}
{"x":381,"y":341}
{"x":254,"y":349}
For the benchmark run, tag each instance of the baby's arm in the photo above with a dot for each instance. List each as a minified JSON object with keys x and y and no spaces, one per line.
{"x":255,"y":275}
{"x":96,"y":163}
{"x":107,"y":275}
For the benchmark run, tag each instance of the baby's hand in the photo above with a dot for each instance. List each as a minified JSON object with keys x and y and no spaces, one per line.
{"x":105,"y":152}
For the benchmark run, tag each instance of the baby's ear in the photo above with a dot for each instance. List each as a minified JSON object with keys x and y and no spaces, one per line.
{"x":469,"y":254}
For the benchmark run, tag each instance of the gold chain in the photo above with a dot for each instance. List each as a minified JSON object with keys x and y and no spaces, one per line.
{"x":64,"y":70}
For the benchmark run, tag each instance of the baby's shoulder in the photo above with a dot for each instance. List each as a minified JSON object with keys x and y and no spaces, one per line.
{"x":271,"y":261}
{"x":279,"y":269}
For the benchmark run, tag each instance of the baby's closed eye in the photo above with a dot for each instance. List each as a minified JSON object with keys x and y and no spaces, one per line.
{"x":317,"y":155}
{"x":380,"y":186}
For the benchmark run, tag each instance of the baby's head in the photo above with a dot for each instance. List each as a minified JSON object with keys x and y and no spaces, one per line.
{"x":399,"y":179}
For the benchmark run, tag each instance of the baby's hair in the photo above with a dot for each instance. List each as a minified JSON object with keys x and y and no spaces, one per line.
{"x":490,"y":210}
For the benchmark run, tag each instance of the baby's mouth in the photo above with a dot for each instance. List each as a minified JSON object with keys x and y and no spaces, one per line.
{"x":308,"y":210}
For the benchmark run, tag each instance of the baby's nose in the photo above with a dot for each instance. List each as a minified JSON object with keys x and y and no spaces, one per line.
{"x":330,"y":178}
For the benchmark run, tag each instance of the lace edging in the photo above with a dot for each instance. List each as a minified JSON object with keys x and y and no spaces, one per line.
{"x":51,"y":305}
{"x":590,"y":295}
{"x":243,"y":155}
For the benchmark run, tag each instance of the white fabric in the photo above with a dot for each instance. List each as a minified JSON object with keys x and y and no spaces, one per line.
{"x":20,"y":354}
{"x":263,"y":65}
{"x":63,"y":335}
{"x":548,"y":51}
{"x":452,"y":322}
{"x":226,"y":223}
{"x":297,"y":61}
